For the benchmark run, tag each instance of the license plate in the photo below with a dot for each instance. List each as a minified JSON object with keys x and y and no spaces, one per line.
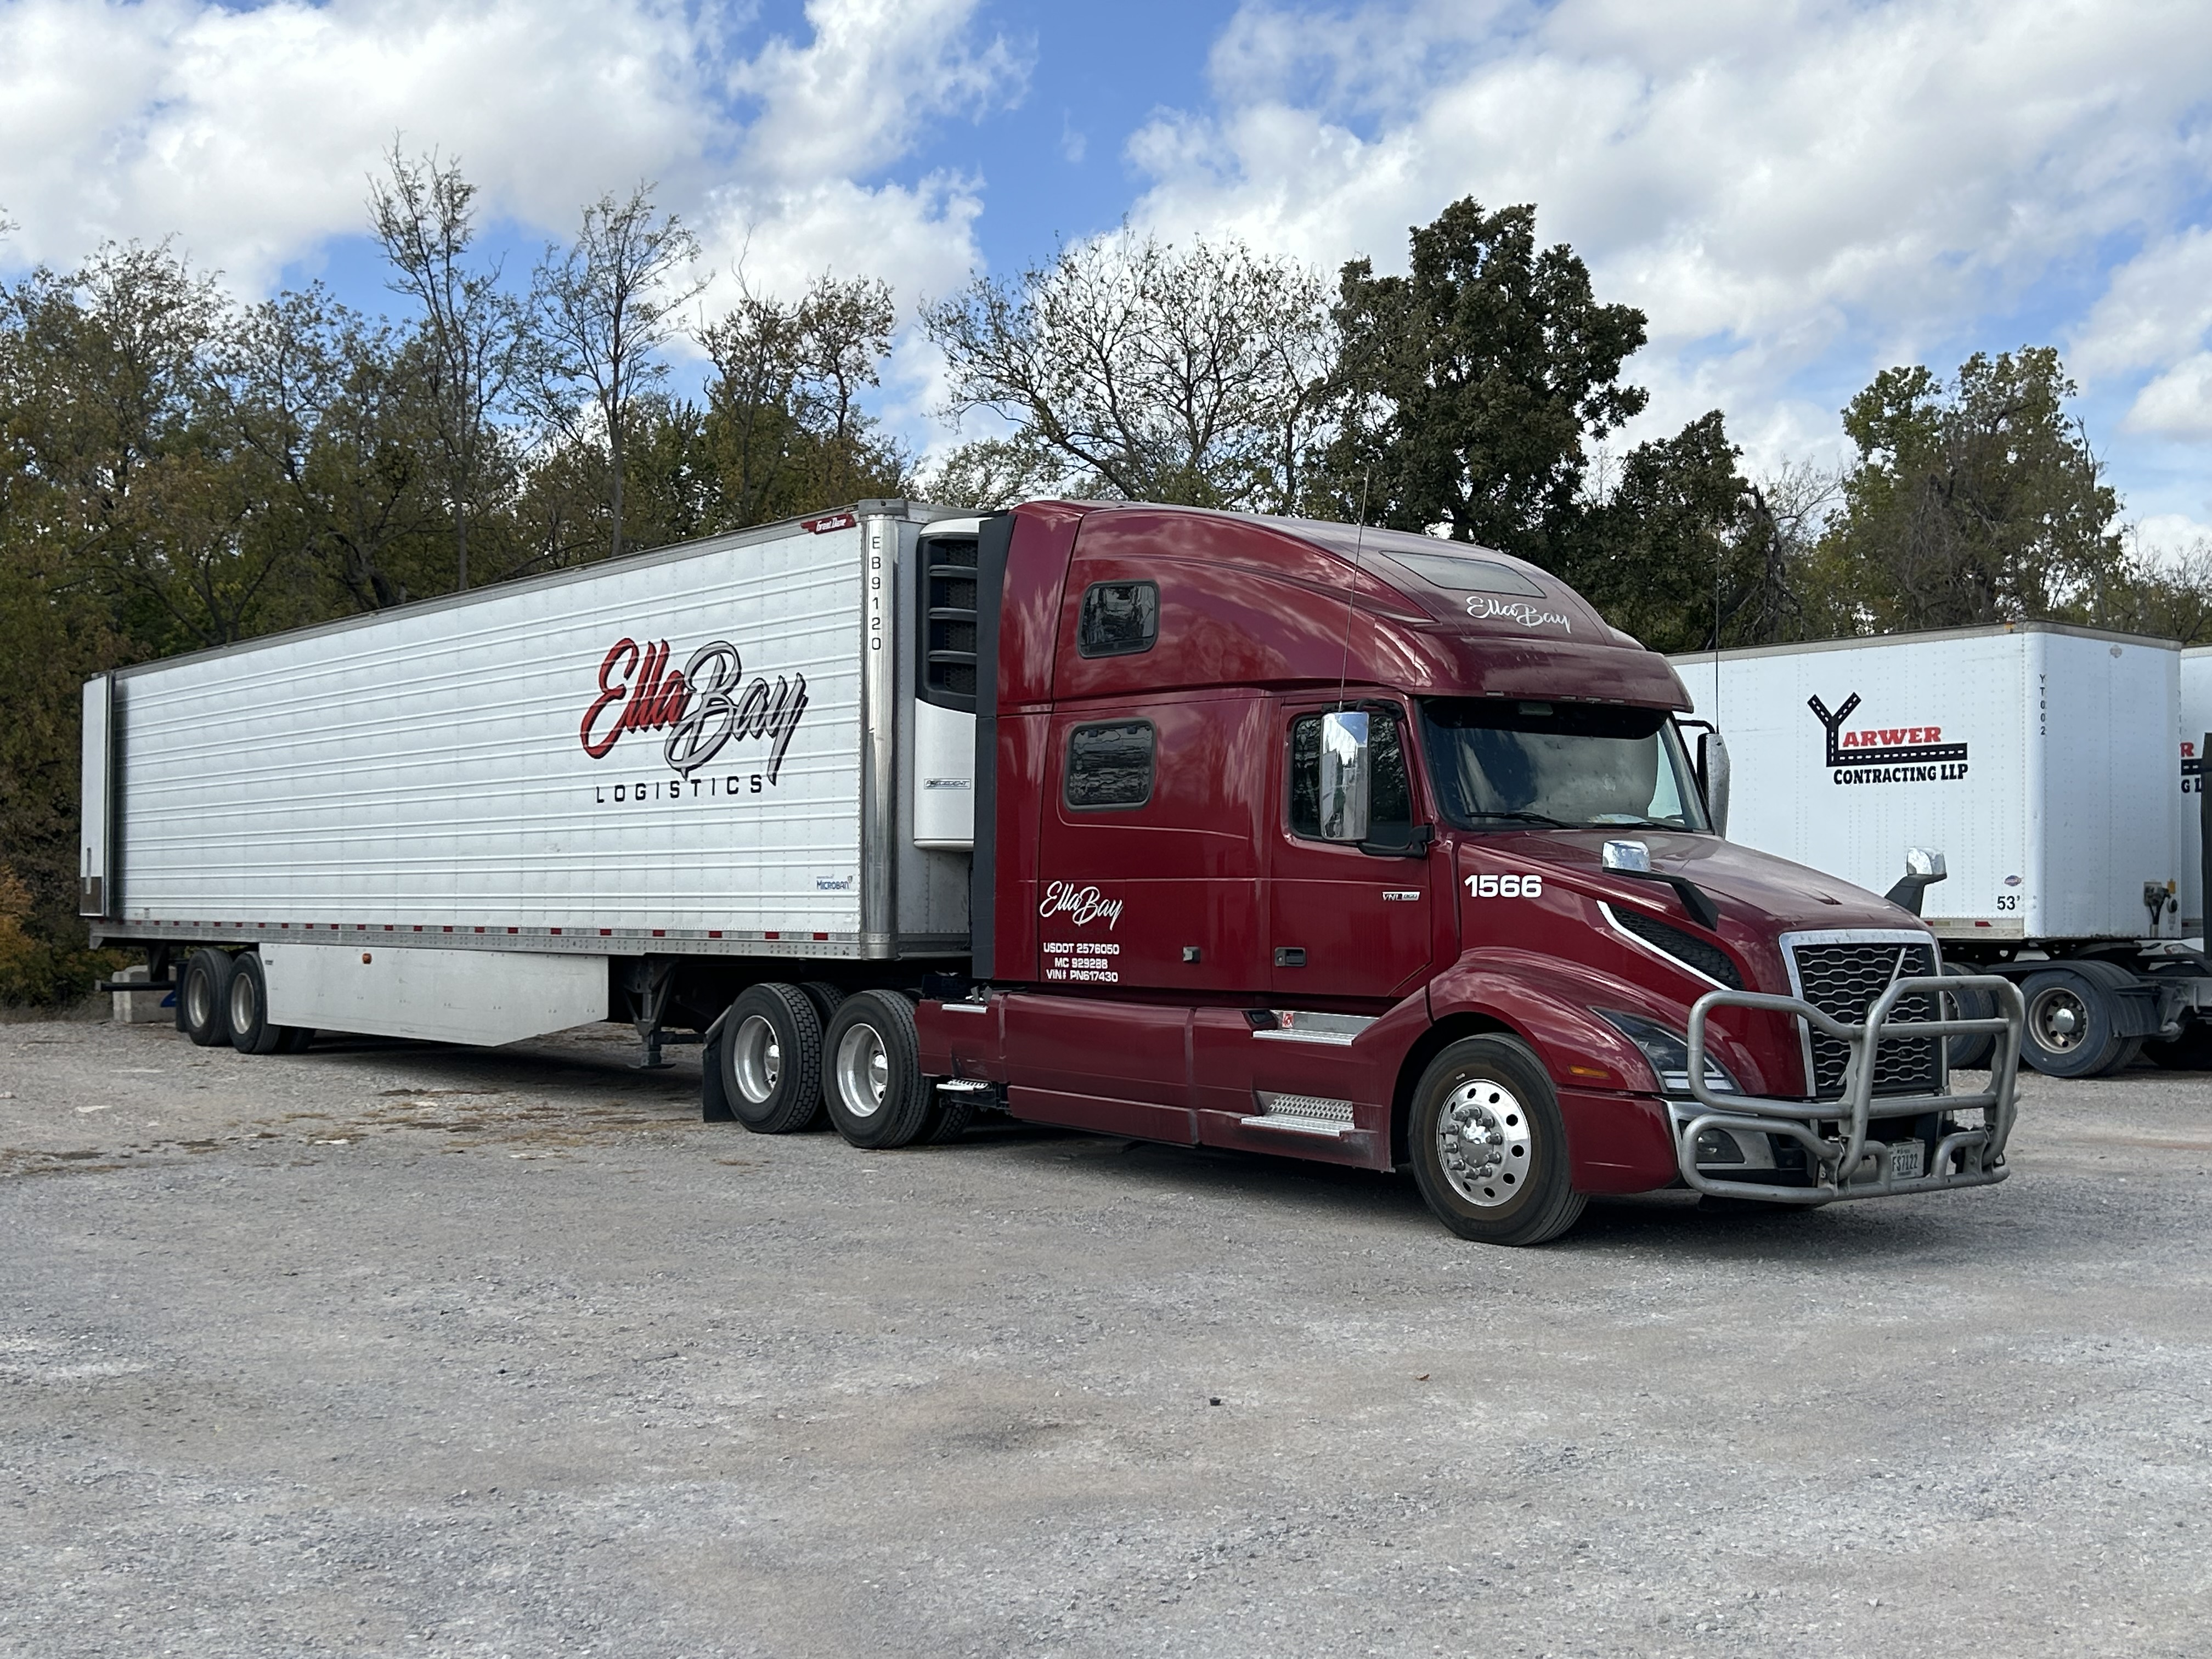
{"x":1907,"y":1160}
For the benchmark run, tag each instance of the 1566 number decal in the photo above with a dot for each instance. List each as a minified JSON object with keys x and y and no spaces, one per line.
{"x":1505,"y":886}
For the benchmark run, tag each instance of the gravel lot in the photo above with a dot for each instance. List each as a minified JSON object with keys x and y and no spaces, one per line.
{"x":392,"y":1348}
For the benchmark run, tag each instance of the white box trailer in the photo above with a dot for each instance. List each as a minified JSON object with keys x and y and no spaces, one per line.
{"x":690,"y":753}
{"x":2186,"y":783}
{"x":2036,"y":759}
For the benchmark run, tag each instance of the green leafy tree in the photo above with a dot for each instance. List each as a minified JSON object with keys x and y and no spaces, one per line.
{"x":1976,"y":499}
{"x":1473,"y":388}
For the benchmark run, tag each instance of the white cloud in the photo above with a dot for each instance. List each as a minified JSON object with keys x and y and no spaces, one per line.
{"x":1782,"y":188}
{"x":251,"y":133}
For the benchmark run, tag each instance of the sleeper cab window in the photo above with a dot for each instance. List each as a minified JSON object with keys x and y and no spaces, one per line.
{"x":1109,"y":765}
{"x":1391,"y":805}
{"x":1119,"y":619}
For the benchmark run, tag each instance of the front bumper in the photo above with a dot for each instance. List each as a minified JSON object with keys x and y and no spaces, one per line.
{"x":1842,"y":1157}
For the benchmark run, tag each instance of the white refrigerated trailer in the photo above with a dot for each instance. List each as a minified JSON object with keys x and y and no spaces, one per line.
{"x":598,"y":793}
{"x":2037,"y":760}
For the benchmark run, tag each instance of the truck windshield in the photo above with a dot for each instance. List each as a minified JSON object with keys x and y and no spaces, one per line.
{"x":1499,"y":761}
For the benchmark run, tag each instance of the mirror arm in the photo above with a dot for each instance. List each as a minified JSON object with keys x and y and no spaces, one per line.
{"x":1695,"y":899}
{"x":1416,"y":845}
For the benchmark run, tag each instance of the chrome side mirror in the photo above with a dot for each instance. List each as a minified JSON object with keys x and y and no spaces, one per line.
{"x":1347,"y":776}
{"x":1923,"y":869}
{"x":1629,"y":858}
{"x":1713,"y":774}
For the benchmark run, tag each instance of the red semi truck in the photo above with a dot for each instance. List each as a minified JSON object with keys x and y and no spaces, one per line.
{"x":1192,"y":826}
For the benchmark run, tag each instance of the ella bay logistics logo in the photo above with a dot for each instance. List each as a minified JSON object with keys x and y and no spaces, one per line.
{"x":1886,"y":754}
{"x":704,"y":708}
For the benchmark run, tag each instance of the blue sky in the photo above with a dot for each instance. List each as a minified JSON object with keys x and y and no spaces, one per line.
{"x":1797,"y":194}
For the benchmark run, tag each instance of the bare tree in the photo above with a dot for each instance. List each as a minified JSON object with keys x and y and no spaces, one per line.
{"x":786,"y":420}
{"x":1195,"y":375}
{"x":605,"y":305}
{"x":476,"y":340}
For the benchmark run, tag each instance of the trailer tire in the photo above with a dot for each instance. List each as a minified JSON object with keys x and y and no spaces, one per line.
{"x":827,"y":999}
{"x":2073,"y":1027}
{"x":245,"y":1009}
{"x":1520,"y":1192}
{"x":770,"y":1059}
{"x":2189,"y":1052}
{"x":872,"y":1072}
{"x":1970,"y":1052}
{"x":203,"y":994}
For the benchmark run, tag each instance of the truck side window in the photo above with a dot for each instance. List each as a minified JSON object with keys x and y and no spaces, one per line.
{"x":1118,"y":619}
{"x":1109,"y":765}
{"x":1392,"y":808}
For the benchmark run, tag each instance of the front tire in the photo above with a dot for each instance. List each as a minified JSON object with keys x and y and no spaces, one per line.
{"x":1489,"y":1146}
{"x":770,"y":1059}
{"x":203,"y":994}
{"x":872,"y":1072}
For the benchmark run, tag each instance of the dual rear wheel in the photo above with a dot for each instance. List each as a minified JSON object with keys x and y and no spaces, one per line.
{"x":222,"y":998}
{"x":786,"y":1054}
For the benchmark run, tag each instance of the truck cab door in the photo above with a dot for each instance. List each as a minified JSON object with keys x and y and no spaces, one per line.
{"x":1343,"y":923}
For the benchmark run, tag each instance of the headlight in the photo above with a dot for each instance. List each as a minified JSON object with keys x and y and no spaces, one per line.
{"x":1669,"y":1055}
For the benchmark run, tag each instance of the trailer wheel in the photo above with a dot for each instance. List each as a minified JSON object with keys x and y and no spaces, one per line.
{"x":2073,"y":1027}
{"x":2189,"y":1052}
{"x":771,"y":1058}
{"x":245,"y":1009}
{"x":1970,"y":1053}
{"x":872,"y":1072}
{"x":203,"y":993}
{"x":1489,"y":1147}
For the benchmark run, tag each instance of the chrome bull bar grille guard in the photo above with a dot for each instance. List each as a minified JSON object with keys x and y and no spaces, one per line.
{"x":1836,"y":1162}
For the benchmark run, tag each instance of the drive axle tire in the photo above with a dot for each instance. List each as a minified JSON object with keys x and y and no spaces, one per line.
{"x":872,"y":1072}
{"x":1489,"y":1147}
{"x":245,"y":1008}
{"x":202,"y":997}
{"x":770,"y":1059}
{"x":2073,"y":1025}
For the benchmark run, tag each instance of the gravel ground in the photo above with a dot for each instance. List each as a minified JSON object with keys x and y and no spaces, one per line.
{"x":393,"y":1348}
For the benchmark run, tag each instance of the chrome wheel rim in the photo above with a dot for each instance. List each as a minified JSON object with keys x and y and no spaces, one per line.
{"x":1482,"y":1141}
{"x":864,"y":1071}
{"x":198,"y":997}
{"x":241,"y":1003}
{"x":756,"y":1059}
{"x":2060,"y":1020}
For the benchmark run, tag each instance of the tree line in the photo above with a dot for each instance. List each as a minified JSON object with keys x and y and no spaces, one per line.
{"x":178,"y":470}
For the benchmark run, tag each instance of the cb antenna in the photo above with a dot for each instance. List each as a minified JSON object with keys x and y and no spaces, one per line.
{"x":1358,"y":542}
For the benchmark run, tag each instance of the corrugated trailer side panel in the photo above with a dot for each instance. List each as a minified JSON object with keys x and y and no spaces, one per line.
{"x":435,"y":769}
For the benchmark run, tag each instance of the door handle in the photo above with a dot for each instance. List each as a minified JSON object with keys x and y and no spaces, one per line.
{"x":1290,"y":955}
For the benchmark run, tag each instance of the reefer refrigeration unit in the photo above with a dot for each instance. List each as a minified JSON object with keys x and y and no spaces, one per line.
{"x":2036,"y":758}
{"x":693,"y":753}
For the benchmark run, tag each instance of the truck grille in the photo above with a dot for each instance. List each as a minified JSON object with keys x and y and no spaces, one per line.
{"x":1841,"y":976}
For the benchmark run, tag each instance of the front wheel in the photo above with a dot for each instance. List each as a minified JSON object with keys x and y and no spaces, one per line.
{"x":1489,"y":1146}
